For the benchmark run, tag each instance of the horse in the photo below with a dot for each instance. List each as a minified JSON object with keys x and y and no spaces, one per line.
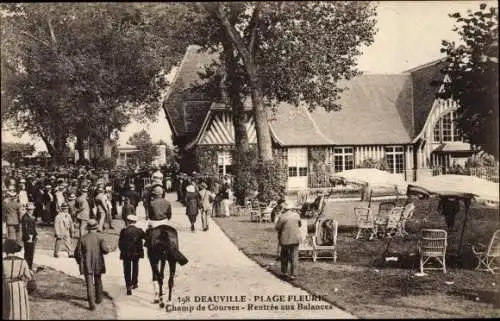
{"x":162,"y":247}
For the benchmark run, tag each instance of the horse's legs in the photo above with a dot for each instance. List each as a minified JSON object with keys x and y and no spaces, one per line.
{"x":171,"y":267}
{"x":160,"y":281}
{"x":156,"y":273}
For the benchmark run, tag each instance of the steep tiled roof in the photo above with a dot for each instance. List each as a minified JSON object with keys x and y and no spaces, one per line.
{"x":182,"y":106}
{"x":294,"y":126}
{"x":376,"y":109}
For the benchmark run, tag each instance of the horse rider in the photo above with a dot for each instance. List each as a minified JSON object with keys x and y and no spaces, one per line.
{"x":160,"y":210}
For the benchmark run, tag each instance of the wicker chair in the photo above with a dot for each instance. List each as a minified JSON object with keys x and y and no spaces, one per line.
{"x":365,"y":222}
{"x":324,"y":251}
{"x":432,"y":245}
{"x":488,"y":255}
{"x":253,"y":207}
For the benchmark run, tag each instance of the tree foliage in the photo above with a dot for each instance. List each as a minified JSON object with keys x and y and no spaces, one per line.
{"x":147,"y":150}
{"x":80,"y":69}
{"x":473,"y":70}
{"x":14,"y":152}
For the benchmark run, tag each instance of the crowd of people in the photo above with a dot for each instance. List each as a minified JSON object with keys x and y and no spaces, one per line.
{"x":80,"y":202}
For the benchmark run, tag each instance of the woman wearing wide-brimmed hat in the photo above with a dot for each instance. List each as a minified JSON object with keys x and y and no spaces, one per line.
{"x":15,"y":273}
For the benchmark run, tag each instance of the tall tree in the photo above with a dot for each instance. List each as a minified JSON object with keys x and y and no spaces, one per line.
{"x":473,"y":71}
{"x":81,"y":69}
{"x":143,"y":142}
{"x":294,"y":51}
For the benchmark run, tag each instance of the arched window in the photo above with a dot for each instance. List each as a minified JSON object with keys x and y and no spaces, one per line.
{"x":446,"y":129}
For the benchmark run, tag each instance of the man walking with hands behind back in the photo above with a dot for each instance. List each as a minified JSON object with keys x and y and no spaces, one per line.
{"x":89,"y":255}
{"x":288,"y":227}
{"x":131,"y":250}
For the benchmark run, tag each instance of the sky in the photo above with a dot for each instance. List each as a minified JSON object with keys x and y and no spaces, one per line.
{"x":409,"y":34}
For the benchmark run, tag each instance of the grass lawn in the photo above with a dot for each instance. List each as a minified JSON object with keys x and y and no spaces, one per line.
{"x":365,"y":286}
{"x":46,"y":239}
{"x":62,"y":297}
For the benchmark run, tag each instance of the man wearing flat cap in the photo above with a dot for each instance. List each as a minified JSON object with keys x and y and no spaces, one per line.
{"x":82,"y":208}
{"x":89,"y":254}
{"x":12,"y":212}
{"x":131,"y":248}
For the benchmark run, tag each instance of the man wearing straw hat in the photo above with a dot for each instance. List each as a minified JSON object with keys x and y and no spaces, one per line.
{"x":12,"y":211}
{"x":28,"y":227}
{"x":89,"y":255}
{"x":288,"y":227}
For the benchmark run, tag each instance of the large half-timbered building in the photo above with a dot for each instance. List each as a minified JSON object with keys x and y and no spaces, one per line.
{"x":396,"y":118}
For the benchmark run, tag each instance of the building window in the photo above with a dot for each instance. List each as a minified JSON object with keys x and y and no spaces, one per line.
{"x":446,"y":130}
{"x":297,"y":162}
{"x":224,"y":162}
{"x":395,"y":159}
{"x":343,"y":159}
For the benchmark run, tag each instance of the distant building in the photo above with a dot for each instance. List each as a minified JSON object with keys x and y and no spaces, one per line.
{"x":126,"y":155}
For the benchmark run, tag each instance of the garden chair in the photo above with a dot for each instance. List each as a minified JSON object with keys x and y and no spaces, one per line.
{"x":305,"y":245}
{"x":408,"y":211}
{"x":302,"y":197}
{"x":254,"y":210}
{"x":432,"y":245}
{"x":365,"y":221}
{"x":266,"y":211}
{"x":487,"y":255}
{"x":394,"y":221}
{"x":322,"y":250}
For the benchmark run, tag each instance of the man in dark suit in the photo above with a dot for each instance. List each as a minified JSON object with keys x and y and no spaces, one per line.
{"x":132,"y":195}
{"x":89,"y":255}
{"x":131,"y":248}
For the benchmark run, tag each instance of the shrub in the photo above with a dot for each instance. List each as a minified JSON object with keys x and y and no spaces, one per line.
{"x":83,"y":162}
{"x":244,"y":167}
{"x":271,"y":180}
{"x":104,"y":162}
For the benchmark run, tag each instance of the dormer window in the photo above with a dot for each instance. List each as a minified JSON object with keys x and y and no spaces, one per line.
{"x":446,"y":130}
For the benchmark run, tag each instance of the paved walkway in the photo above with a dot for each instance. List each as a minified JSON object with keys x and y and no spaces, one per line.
{"x":216,"y":268}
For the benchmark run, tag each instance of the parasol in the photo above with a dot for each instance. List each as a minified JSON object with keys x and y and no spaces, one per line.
{"x":374,"y":177}
{"x":461,"y":186}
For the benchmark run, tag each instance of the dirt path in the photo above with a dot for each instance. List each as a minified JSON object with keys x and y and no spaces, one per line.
{"x":216,"y":269}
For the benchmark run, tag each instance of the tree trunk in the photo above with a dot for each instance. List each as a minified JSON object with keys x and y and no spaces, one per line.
{"x":231,"y":86}
{"x":261,"y":123}
{"x":80,"y":147}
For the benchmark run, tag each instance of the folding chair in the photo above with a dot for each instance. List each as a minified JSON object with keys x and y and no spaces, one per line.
{"x":365,"y":221}
{"x":254,"y":210}
{"x":432,"y":244}
{"x":407,"y":213}
{"x":326,"y":251}
{"x":394,"y":221}
{"x":305,"y":245}
{"x":487,"y":255}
